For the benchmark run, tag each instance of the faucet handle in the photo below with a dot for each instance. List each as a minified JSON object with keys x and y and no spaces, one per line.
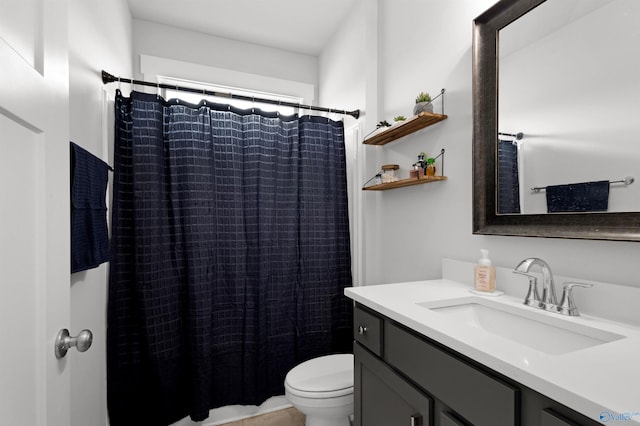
{"x":533,"y":297}
{"x":567,"y":305}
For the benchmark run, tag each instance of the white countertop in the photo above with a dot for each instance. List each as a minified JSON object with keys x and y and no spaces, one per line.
{"x":599,"y":379}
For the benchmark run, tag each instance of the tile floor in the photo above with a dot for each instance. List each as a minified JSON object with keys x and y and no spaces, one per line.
{"x":287,"y":417}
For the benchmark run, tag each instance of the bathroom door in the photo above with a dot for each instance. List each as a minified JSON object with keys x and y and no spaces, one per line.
{"x":34,"y":211}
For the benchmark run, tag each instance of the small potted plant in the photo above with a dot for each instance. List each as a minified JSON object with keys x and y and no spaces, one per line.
{"x":399,"y":119}
{"x":380,"y":127}
{"x":431,"y":167}
{"x":423,"y":104}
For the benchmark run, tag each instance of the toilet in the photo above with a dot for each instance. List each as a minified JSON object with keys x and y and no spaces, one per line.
{"x":322,"y":389}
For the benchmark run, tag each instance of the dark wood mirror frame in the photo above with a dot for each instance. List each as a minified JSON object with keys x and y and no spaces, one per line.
{"x":594,"y":226}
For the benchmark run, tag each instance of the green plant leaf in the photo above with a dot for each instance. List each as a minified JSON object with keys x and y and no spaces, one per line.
{"x":423,"y":97}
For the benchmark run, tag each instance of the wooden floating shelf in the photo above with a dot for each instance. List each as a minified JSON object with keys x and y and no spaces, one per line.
{"x":420,"y":121}
{"x":404,"y":182}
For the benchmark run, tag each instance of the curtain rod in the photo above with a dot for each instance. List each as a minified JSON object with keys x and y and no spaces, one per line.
{"x":109,"y":78}
{"x":518,"y":135}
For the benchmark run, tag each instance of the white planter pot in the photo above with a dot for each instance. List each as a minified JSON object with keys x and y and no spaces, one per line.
{"x":422,"y":107}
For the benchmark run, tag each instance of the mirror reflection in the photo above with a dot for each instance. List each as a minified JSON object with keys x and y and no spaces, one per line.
{"x":568,"y":81}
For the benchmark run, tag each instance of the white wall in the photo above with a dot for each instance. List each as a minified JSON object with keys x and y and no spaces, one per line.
{"x":348,"y":79}
{"x":99,"y":38}
{"x":197,"y":48}
{"x":342,"y":64}
{"x":425,"y":45}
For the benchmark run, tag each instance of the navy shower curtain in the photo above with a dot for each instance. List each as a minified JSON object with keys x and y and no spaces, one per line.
{"x":230,"y":253}
{"x":508,"y":180}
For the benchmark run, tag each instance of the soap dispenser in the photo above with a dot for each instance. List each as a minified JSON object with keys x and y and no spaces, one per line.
{"x":485,"y":279}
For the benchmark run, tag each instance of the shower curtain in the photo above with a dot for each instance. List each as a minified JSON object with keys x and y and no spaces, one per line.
{"x":508,"y":179}
{"x":230,"y":253}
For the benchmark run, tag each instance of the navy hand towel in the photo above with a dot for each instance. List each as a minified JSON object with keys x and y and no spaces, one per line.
{"x":578,"y":197}
{"x":89,"y":237}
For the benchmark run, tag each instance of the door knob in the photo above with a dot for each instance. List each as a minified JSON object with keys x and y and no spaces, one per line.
{"x":64,"y":341}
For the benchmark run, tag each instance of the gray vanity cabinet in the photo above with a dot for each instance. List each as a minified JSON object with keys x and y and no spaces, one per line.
{"x":383,"y":398}
{"x":403,"y":378}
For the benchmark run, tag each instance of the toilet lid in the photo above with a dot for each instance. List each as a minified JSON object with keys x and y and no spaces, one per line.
{"x":324,"y":374}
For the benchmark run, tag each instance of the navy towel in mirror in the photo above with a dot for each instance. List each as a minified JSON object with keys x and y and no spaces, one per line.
{"x":578,"y":197}
{"x":89,"y":237}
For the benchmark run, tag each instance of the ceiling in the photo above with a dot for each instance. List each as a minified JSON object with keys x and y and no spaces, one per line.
{"x":302,"y":26}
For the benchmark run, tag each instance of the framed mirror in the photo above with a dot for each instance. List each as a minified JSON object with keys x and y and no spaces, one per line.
{"x":507,"y":118}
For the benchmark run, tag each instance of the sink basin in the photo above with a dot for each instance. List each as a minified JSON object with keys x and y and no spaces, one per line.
{"x":543,"y":331}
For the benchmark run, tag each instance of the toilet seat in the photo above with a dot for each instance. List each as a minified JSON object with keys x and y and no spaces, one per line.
{"x":329,"y":376}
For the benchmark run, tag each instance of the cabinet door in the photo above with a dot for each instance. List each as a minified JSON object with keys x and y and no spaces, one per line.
{"x":539,"y":410}
{"x":477,"y":396}
{"x":549,"y":418}
{"x":448,"y":419}
{"x":383,"y":398}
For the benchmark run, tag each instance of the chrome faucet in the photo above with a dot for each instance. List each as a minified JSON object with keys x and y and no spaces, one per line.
{"x":548,"y":302}
{"x":567,"y":305}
